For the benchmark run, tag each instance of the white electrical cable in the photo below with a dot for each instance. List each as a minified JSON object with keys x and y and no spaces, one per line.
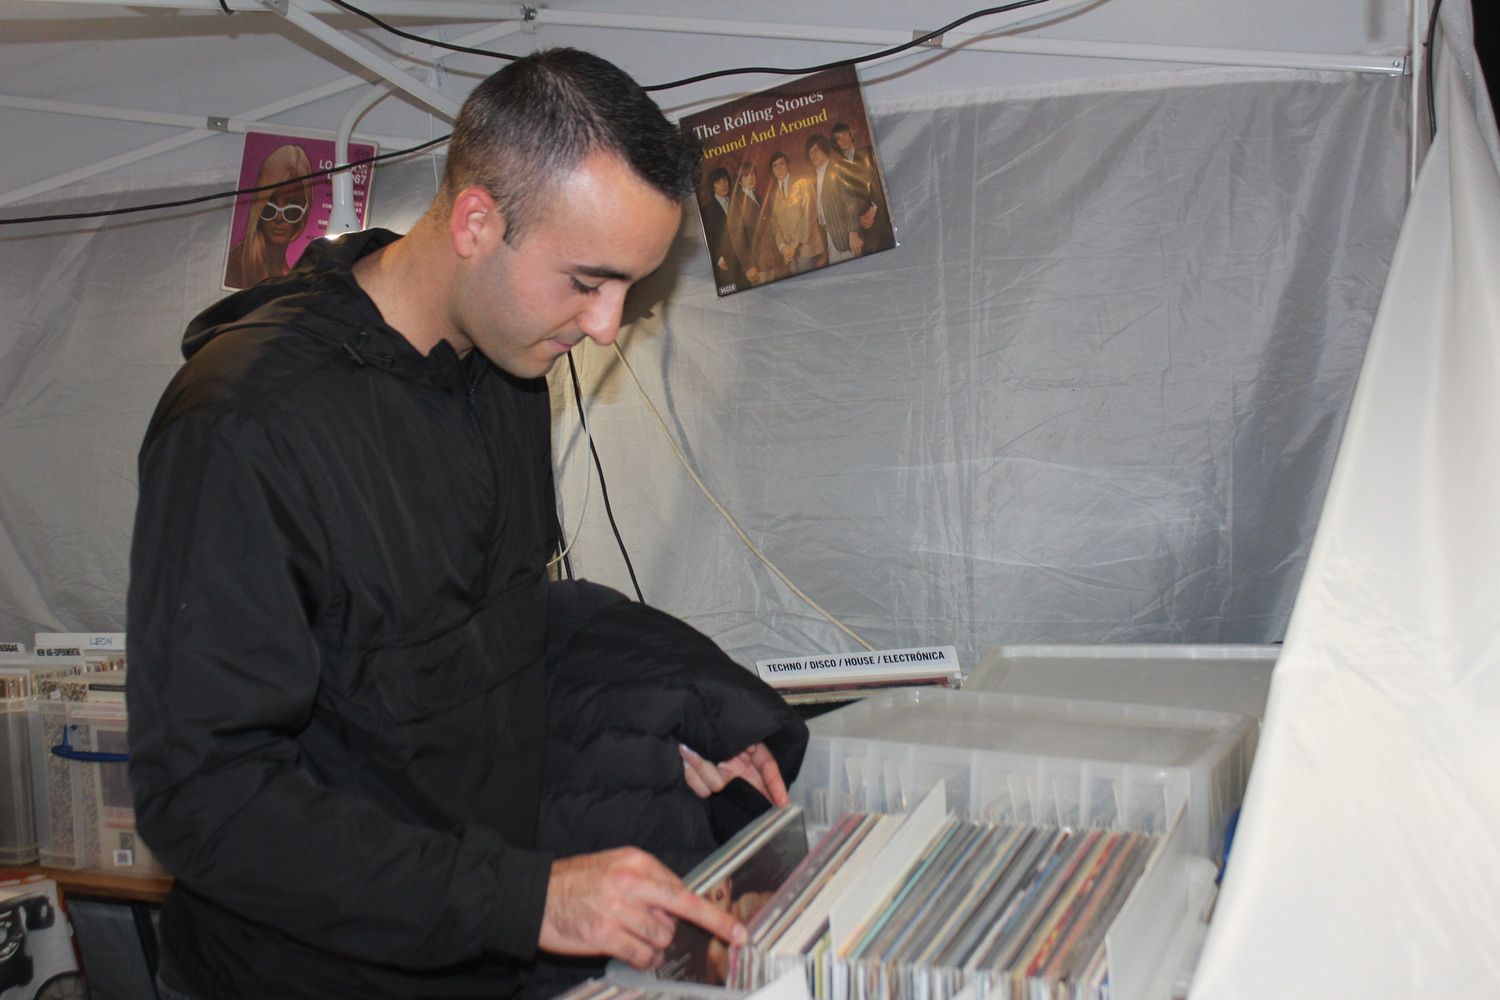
{"x":667,"y":433}
{"x":588,"y":482}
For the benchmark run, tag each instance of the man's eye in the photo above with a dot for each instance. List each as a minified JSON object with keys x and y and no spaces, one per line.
{"x":581,"y":288}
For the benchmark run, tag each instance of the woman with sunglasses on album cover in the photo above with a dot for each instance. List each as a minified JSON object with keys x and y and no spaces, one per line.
{"x":276,"y":218}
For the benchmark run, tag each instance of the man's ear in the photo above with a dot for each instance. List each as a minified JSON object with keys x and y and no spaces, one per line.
{"x":475,"y":223}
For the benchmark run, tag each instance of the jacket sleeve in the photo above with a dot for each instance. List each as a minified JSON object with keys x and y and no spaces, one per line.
{"x":628,"y":683}
{"x":227,"y":567}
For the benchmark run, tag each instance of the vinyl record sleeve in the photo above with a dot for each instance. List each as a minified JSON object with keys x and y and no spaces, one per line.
{"x":790,"y":181}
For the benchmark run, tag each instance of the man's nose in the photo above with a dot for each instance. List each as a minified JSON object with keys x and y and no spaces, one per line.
{"x":600,"y":321}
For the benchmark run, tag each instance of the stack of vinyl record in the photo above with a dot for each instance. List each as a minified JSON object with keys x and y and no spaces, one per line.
{"x":600,"y":989}
{"x":741,"y":876}
{"x":926,"y":907}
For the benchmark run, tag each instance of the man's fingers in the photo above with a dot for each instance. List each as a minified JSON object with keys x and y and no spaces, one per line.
{"x":757,"y":765}
{"x":702,"y":776}
{"x":663,"y":893}
{"x":697,"y":910}
{"x":765,"y":765}
{"x":619,"y":903}
{"x":740,"y":766}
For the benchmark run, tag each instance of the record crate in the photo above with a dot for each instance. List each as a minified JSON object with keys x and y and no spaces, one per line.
{"x":19,"y":676}
{"x":17,"y":822}
{"x":1031,"y":760}
{"x":85,"y":815}
{"x":1222,"y":677}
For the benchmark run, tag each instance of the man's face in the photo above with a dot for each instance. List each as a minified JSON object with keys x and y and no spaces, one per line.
{"x":747,"y":180}
{"x":844,"y":141}
{"x":523,"y":306}
{"x":721,"y":187}
{"x":817,"y":156}
{"x":778,"y":169}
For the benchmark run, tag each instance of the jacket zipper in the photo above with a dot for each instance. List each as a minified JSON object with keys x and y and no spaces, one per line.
{"x":487,"y":453}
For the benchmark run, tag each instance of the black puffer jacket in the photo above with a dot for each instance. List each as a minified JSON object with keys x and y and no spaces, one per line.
{"x":627,"y":684}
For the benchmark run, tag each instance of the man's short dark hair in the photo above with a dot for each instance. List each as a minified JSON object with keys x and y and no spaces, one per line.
{"x":538,"y":118}
{"x":841,"y":127}
{"x":719,"y":174}
{"x":821,"y":141}
{"x":779,"y":155}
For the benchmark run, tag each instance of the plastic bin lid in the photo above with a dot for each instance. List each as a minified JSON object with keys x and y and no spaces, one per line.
{"x":1035,"y":726}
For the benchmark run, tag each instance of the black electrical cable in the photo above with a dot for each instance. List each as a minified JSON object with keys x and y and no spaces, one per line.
{"x":1432,"y":23}
{"x":412,"y":36}
{"x":715,"y":74}
{"x":854,"y":61}
{"x":182,"y":202}
{"x":604,"y":489}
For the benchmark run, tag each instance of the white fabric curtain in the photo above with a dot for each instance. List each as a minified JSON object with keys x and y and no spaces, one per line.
{"x":1365,"y":864}
{"x":91,"y":321}
{"x":1093,"y":396}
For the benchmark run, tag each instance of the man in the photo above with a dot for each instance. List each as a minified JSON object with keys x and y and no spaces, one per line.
{"x":875,"y":223}
{"x":338,"y":603}
{"x":727,"y":270}
{"x":794,"y":230}
{"x":843,"y":142}
{"x":749,"y":228}
{"x":841,"y":200}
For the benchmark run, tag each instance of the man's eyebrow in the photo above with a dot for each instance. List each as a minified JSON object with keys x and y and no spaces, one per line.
{"x":597,"y":271}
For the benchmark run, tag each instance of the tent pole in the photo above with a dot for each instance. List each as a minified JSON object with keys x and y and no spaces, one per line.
{"x":137,"y":116}
{"x":443,"y":10}
{"x":301,"y":18}
{"x":253,"y":116}
{"x":1416,"y":117}
{"x":1389,"y":65}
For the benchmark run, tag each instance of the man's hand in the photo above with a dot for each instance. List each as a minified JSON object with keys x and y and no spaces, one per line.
{"x":868,"y":219}
{"x":856,"y":244}
{"x":625,"y":904}
{"x":754,"y":764}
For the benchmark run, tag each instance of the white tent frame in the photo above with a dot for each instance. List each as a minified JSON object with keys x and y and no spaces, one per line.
{"x":405,"y":76}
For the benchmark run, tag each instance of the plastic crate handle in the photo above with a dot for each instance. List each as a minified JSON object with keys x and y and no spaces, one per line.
{"x":66,"y":752}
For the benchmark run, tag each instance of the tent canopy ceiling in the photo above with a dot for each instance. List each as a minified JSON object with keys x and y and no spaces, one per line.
{"x":187,"y":60}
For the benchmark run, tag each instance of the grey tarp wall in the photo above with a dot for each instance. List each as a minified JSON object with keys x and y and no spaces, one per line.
{"x":1093,"y":396}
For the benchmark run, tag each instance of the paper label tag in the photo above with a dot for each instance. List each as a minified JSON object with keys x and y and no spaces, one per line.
{"x":849,"y":668}
{"x":114,"y":641}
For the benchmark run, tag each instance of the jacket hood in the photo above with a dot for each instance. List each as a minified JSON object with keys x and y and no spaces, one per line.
{"x":339,"y":309}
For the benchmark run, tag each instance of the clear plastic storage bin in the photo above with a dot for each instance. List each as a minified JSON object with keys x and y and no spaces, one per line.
{"x":17,"y":821}
{"x":1217,"y":678}
{"x":1043,"y":761}
{"x":19,"y":677}
{"x":85,"y":815}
